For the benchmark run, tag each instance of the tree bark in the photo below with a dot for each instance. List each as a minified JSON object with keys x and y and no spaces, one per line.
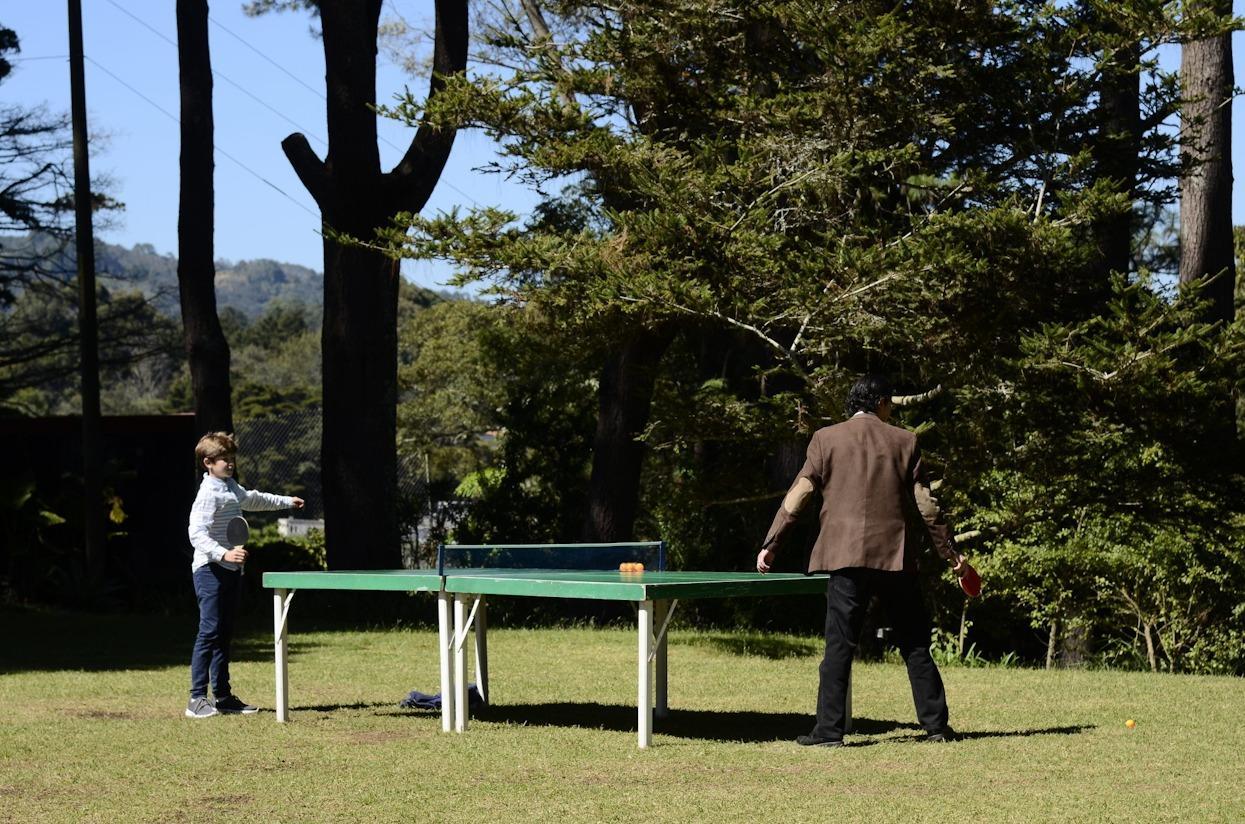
{"x":207,"y":351}
{"x":358,"y":452}
{"x":1051,"y":642}
{"x":625,"y":401}
{"x":1206,"y":183}
{"x":1150,"y":654}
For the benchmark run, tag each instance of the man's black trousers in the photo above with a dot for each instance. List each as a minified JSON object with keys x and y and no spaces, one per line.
{"x":847,"y":599}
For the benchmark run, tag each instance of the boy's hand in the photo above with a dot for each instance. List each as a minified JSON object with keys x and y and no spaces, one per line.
{"x":298,"y":503}
{"x":237,"y":555}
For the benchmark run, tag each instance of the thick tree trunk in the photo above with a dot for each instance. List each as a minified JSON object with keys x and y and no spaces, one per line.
{"x":359,"y":448}
{"x":1206,"y":183}
{"x":359,"y":469}
{"x":625,"y":401}
{"x":207,"y":351}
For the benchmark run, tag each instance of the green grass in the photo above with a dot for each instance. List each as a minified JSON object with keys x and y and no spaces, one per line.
{"x":91,"y":730}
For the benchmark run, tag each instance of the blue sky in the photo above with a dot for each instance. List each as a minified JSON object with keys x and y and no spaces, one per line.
{"x":270,"y":83}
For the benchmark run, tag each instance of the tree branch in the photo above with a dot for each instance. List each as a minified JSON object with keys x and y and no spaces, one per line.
{"x":308,"y":166}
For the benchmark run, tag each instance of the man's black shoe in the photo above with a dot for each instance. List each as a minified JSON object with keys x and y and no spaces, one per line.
{"x":942,"y":736}
{"x":810,"y":741}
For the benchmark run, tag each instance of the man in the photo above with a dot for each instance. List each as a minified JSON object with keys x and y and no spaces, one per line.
{"x":873,"y":489}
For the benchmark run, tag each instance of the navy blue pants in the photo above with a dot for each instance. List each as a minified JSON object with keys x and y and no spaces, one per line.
{"x":847,"y":598}
{"x":219,"y":591}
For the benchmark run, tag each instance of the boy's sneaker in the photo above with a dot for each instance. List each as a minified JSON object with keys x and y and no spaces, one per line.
{"x":200,"y":708}
{"x":232,"y":705}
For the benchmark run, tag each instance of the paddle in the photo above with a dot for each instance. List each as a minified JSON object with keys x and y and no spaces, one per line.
{"x":237,"y":532}
{"x":970,"y":581}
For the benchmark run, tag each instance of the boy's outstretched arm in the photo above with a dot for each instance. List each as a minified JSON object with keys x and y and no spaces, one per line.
{"x":256,"y":501}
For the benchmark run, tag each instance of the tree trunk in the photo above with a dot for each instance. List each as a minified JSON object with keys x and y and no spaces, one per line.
{"x":959,"y":650}
{"x":359,"y":448}
{"x":625,"y":401}
{"x":1206,"y":182}
{"x":1051,"y":642}
{"x":207,"y":351}
{"x":1150,"y":654}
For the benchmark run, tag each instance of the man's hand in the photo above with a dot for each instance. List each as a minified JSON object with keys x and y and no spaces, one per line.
{"x":765,"y":559}
{"x":237,"y":555}
{"x":298,"y":503}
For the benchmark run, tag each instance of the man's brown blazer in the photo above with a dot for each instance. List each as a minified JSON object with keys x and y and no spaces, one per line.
{"x":876,"y":500}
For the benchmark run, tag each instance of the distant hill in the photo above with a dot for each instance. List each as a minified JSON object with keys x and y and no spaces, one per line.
{"x":248,"y":286}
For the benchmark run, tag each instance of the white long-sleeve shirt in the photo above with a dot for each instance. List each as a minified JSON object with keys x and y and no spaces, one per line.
{"x":217,"y":503}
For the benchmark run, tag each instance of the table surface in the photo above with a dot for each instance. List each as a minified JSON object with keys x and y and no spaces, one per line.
{"x":609,"y":585}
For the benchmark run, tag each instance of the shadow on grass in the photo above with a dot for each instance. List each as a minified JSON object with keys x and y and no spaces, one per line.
{"x":961,"y":735}
{"x":742,"y":726}
{"x":710,"y":725}
{"x":357,"y":705}
{"x":39,"y":641}
{"x":763,"y":646}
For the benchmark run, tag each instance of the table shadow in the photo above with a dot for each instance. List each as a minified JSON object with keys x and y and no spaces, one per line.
{"x":734,"y":726}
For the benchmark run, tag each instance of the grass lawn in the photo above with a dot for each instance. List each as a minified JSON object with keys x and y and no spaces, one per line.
{"x":91,"y":729}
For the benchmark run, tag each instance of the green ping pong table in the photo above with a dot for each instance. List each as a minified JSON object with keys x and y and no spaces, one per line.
{"x":461,"y":608}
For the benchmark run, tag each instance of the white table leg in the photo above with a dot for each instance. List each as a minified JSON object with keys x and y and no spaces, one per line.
{"x":445,"y":638}
{"x":644,"y":700}
{"x":460,"y":663}
{"x":481,"y":629}
{"x":662,"y":610}
{"x":280,"y":637}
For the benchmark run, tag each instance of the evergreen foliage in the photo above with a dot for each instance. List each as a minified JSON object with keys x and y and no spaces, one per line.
{"x":805,"y":193}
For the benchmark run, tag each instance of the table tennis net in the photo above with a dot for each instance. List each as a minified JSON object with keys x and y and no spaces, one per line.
{"x":605,"y":556}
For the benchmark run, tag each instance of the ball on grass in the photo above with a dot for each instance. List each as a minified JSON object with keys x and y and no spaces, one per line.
{"x":1130,"y":723}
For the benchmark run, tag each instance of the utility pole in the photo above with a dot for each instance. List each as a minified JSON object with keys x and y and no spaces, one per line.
{"x":88,"y":324}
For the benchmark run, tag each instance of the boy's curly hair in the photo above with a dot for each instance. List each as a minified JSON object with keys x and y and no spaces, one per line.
{"x":215,"y":445}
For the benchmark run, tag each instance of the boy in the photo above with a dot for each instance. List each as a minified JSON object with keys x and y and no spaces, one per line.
{"x":217,"y":571}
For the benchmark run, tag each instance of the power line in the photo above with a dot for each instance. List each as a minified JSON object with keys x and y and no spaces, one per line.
{"x":220,"y":74}
{"x":215,"y":148}
{"x":293,"y":76}
{"x":380,"y":137}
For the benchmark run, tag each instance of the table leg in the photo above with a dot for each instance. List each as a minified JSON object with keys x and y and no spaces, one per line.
{"x":280,"y":637}
{"x":460,"y":663}
{"x":481,"y":631}
{"x":644,"y":700}
{"x":445,"y":639}
{"x":662,"y":610}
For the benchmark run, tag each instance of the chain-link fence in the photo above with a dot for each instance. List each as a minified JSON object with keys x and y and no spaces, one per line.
{"x":281,"y":454}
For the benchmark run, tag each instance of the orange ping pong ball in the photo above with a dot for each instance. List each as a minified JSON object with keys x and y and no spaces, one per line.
{"x":1130,"y":723}
{"x":637,"y":567}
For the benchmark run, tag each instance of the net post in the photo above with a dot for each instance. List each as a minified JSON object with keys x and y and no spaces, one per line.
{"x":661,"y":556}
{"x":441,"y":560}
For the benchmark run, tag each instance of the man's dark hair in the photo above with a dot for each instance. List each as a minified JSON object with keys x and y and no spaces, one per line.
{"x":868,"y":391}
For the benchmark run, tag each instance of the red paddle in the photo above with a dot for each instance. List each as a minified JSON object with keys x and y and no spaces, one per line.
{"x":970,"y":581}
